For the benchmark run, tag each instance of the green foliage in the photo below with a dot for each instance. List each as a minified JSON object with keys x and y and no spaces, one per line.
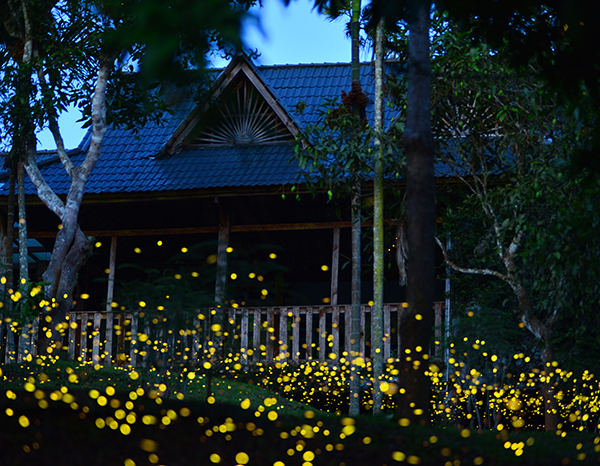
{"x":339,"y":149}
{"x":503,"y":134}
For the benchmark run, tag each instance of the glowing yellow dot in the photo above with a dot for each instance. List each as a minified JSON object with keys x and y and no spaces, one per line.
{"x":242,"y":457}
{"x":125,"y":429}
{"x":251,"y":275}
{"x":324,"y":268}
{"x":245,"y":404}
{"x":24,"y":421}
{"x":229,"y":249}
{"x":184,"y":250}
{"x":98,"y":244}
{"x":195,"y":274}
{"x":178,"y":276}
{"x":142,"y":304}
{"x":418,"y":317}
{"x":137,"y":250}
{"x":370,"y":303}
{"x":326,"y":300}
{"x":272,"y":415}
{"x":3,"y":280}
{"x":129,"y":462}
{"x":233,"y":276}
{"x":264,"y":292}
{"x":273,"y":256}
{"x":148,"y":445}
{"x":398,"y":456}
{"x":84,"y":296}
{"x":160,"y":243}
{"x":308,"y":456}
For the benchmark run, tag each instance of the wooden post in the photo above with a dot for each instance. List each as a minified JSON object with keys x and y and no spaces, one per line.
{"x":256,"y":329}
{"x":110,"y":290}
{"x":270,"y":334}
{"x":322,"y":334}
{"x":221,"y":279}
{"x":96,"y":340}
{"x":348,"y":332}
{"x":296,"y":334}
{"x":437,"y":316}
{"x":244,"y":337}
{"x":387,"y":333}
{"x":83,"y":337}
{"x":363,"y":312}
{"x":309,"y":330}
{"x":72,"y":332}
{"x":335,"y":331}
{"x":283,"y":335}
{"x":133,"y":350}
{"x":335,"y":266}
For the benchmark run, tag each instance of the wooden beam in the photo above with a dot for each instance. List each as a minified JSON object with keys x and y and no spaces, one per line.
{"x":112,"y":262}
{"x":223,"y":243}
{"x":335,"y":266}
{"x":211,"y":229}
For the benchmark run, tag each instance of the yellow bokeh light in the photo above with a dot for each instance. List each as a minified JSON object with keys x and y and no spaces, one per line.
{"x":324,"y":268}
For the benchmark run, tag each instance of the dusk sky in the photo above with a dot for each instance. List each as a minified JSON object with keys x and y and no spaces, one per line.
{"x":292,"y":34}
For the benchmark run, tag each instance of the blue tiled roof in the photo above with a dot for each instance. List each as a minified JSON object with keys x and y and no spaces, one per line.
{"x":129,"y":164}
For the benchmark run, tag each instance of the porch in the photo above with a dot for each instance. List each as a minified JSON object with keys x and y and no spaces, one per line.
{"x":291,"y":334}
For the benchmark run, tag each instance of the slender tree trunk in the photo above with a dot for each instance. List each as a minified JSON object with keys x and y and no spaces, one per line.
{"x":417,"y":321}
{"x":23,"y":261}
{"x":355,"y":355}
{"x":23,"y":253}
{"x":378,"y":254}
{"x":10,"y":221}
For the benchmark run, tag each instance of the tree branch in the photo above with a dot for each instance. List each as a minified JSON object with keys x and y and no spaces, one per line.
{"x":472,"y":271}
{"x":45,"y":193}
{"x":55,"y":130}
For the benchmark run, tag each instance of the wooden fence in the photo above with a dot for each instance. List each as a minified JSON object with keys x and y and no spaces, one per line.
{"x":283,"y":334}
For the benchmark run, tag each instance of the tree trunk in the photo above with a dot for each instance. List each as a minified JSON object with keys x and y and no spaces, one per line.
{"x":378,"y":254}
{"x":24,"y":348}
{"x":543,"y":333}
{"x":417,"y":321}
{"x":53,"y":326}
{"x":23,"y":253}
{"x":10,"y":221}
{"x":354,"y":408}
{"x":71,"y":247}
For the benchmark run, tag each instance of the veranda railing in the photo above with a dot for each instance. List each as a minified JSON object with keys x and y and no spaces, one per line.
{"x":282,"y":333}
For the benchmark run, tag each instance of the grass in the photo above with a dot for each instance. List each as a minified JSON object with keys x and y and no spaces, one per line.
{"x":65,"y":414}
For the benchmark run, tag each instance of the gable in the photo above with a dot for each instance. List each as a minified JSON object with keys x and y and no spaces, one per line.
{"x":240,"y":110}
{"x":241,"y":116}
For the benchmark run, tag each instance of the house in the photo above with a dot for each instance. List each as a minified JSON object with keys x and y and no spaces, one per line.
{"x":219,"y":175}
